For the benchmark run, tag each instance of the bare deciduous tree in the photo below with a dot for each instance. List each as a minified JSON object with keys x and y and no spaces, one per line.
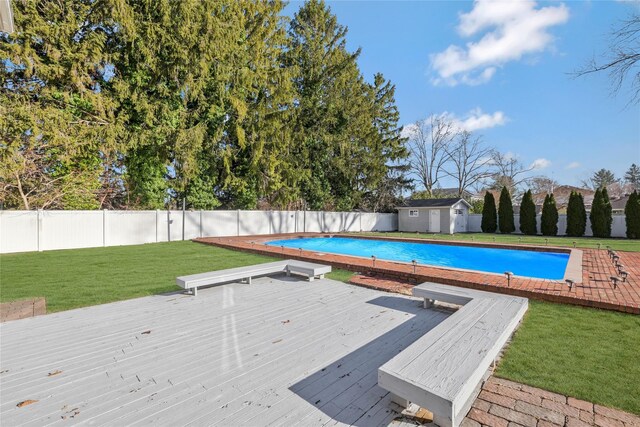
{"x":623,"y":58}
{"x":542,"y":184}
{"x":509,"y":172}
{"x":428,"y":141}
{"x":470,"y":161}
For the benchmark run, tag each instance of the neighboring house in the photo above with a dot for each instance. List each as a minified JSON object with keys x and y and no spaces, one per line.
{"x":618,"y":205}
{"x":561,"y":194}
{"x":434,"y":215}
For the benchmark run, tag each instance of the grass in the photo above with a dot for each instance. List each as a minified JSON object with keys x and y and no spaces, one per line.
{"x":83,"y":277}
{"x":581,"y":352}
{"x":586,"y":353}
{"x":619,"y":244}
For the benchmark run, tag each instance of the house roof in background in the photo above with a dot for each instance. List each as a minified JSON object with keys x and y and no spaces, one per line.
{"x":562,"y":192}
{"x":433,"y":203}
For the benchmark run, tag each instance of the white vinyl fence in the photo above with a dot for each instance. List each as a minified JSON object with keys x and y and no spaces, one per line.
{"x":618,"y":227}
{"x":23,"y":231}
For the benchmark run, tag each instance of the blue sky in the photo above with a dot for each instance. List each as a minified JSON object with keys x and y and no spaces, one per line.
{"x":506,"y":66}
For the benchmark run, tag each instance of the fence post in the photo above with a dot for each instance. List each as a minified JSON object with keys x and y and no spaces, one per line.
{"x":157,"y":215}
{"x":183,"y":215}
{"x":238,"y":224}
{"x":104,"y":227}
{"x":168,"y":225}
{"x":200,"y":222}
{"x":39,"y":228}
{"x":360,"y":216}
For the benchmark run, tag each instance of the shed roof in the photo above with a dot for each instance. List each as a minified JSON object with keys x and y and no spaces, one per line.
{"x":433,"y":203}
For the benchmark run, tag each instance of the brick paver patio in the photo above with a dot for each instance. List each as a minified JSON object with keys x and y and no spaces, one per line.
{"x":504,"y":403}
{"x":596,"y":290}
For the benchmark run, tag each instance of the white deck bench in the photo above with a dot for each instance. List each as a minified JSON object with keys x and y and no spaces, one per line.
{"x":444,"y":369}
{"x":308,"y":269}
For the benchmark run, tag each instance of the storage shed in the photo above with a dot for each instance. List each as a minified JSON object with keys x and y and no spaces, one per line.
{"x":434,"y":215}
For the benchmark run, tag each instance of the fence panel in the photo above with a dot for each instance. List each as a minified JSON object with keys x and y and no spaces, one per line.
{"x":134,"y":227}
{"x":18,"y":231}
{"x":254,"y":222}
{"x":313,"y":221}
{"x":219,"y":223}
{"x":71,"y":229}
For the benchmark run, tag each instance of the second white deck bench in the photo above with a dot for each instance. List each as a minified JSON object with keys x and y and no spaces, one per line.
{"x":308,"y":269}
{"x":444,"y":369}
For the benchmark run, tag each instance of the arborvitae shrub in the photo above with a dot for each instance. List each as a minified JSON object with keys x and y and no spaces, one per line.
{"x":505,"y":213}
{"x":489,"y":216}
{"x":632,"y":216}
{"x":576,"y":215}
{"x":597,"y":216}
{"x":608,"y":212}
{"x":549,"y":220}
{"x":528,"y":215}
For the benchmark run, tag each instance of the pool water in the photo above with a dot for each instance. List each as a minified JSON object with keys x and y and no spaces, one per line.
{"x":542,"y":265}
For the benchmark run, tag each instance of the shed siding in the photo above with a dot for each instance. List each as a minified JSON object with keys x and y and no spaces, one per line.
{"x":407,"y":223}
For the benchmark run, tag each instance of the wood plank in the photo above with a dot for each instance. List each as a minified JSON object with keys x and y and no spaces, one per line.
{"x":190,"y":342}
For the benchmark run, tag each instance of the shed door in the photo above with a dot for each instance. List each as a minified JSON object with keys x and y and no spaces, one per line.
{"x":460,"y":221}
{"x":434,"y":220}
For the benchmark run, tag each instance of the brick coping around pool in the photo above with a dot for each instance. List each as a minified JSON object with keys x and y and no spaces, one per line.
{"x":596,"y":289}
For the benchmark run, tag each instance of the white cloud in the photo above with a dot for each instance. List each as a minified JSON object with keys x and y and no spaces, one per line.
{"x":512,"y":29}
{"x":573,"y":165}
{"x":473,"y":121}
{"x":477,"y":120}
{"x":540,"y":163}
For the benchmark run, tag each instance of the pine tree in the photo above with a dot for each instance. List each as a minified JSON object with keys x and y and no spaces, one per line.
{"x":489,"y":216}
{"x":549,"y":220}
{"x":576,"y":215}
{"x":632,"y":216}
{"x":528,"y":223}
{"x":505,"y":213}
{"x":632,"y":176}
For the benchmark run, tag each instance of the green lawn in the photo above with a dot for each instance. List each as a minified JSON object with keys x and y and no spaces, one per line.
{"x":586,"y":353}
{"x":619,"y":244}
{"x":582,"y":352}
{"x":81,"y":277}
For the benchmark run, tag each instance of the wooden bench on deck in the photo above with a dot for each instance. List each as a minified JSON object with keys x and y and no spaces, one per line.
{"x":308,"y":269}
{"x":444,"y":369}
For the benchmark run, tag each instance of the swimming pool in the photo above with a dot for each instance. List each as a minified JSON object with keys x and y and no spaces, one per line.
{"x":541,"y":265}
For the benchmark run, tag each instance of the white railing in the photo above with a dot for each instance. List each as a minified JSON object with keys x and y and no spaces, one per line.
{"x":24,"y":231}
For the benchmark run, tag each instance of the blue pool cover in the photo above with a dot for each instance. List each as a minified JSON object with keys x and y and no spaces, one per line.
{"x":542,"y":265}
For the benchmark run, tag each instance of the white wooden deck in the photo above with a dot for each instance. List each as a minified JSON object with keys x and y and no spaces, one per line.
{"x":282,"y":351}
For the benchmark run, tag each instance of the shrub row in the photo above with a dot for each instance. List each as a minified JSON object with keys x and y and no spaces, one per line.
{"x":600,"y":215}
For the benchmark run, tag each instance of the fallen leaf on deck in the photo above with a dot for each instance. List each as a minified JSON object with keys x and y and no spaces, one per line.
{"x":25,"y":403}
{"x":285,"y":321}
{"x":146,"y":332}
{"x":56,"y":372}
{"x":277,"y":341}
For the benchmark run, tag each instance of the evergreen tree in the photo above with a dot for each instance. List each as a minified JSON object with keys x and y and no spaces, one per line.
{"x":608,"y":212}
{"x":56,"y":127}
{"x":597,"y":215}
{"x":528,"y":215}
{"x":632,"y":216}
{"x":602,"y":178}
{"x":505,"y":213}
{"x":632,"y":176}
{"x":549,"y":220}
{"x":489,"y":222}
{"x":576,"y":215}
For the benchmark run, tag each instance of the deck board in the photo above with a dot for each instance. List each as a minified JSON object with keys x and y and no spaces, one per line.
{"x":237,"y":354}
